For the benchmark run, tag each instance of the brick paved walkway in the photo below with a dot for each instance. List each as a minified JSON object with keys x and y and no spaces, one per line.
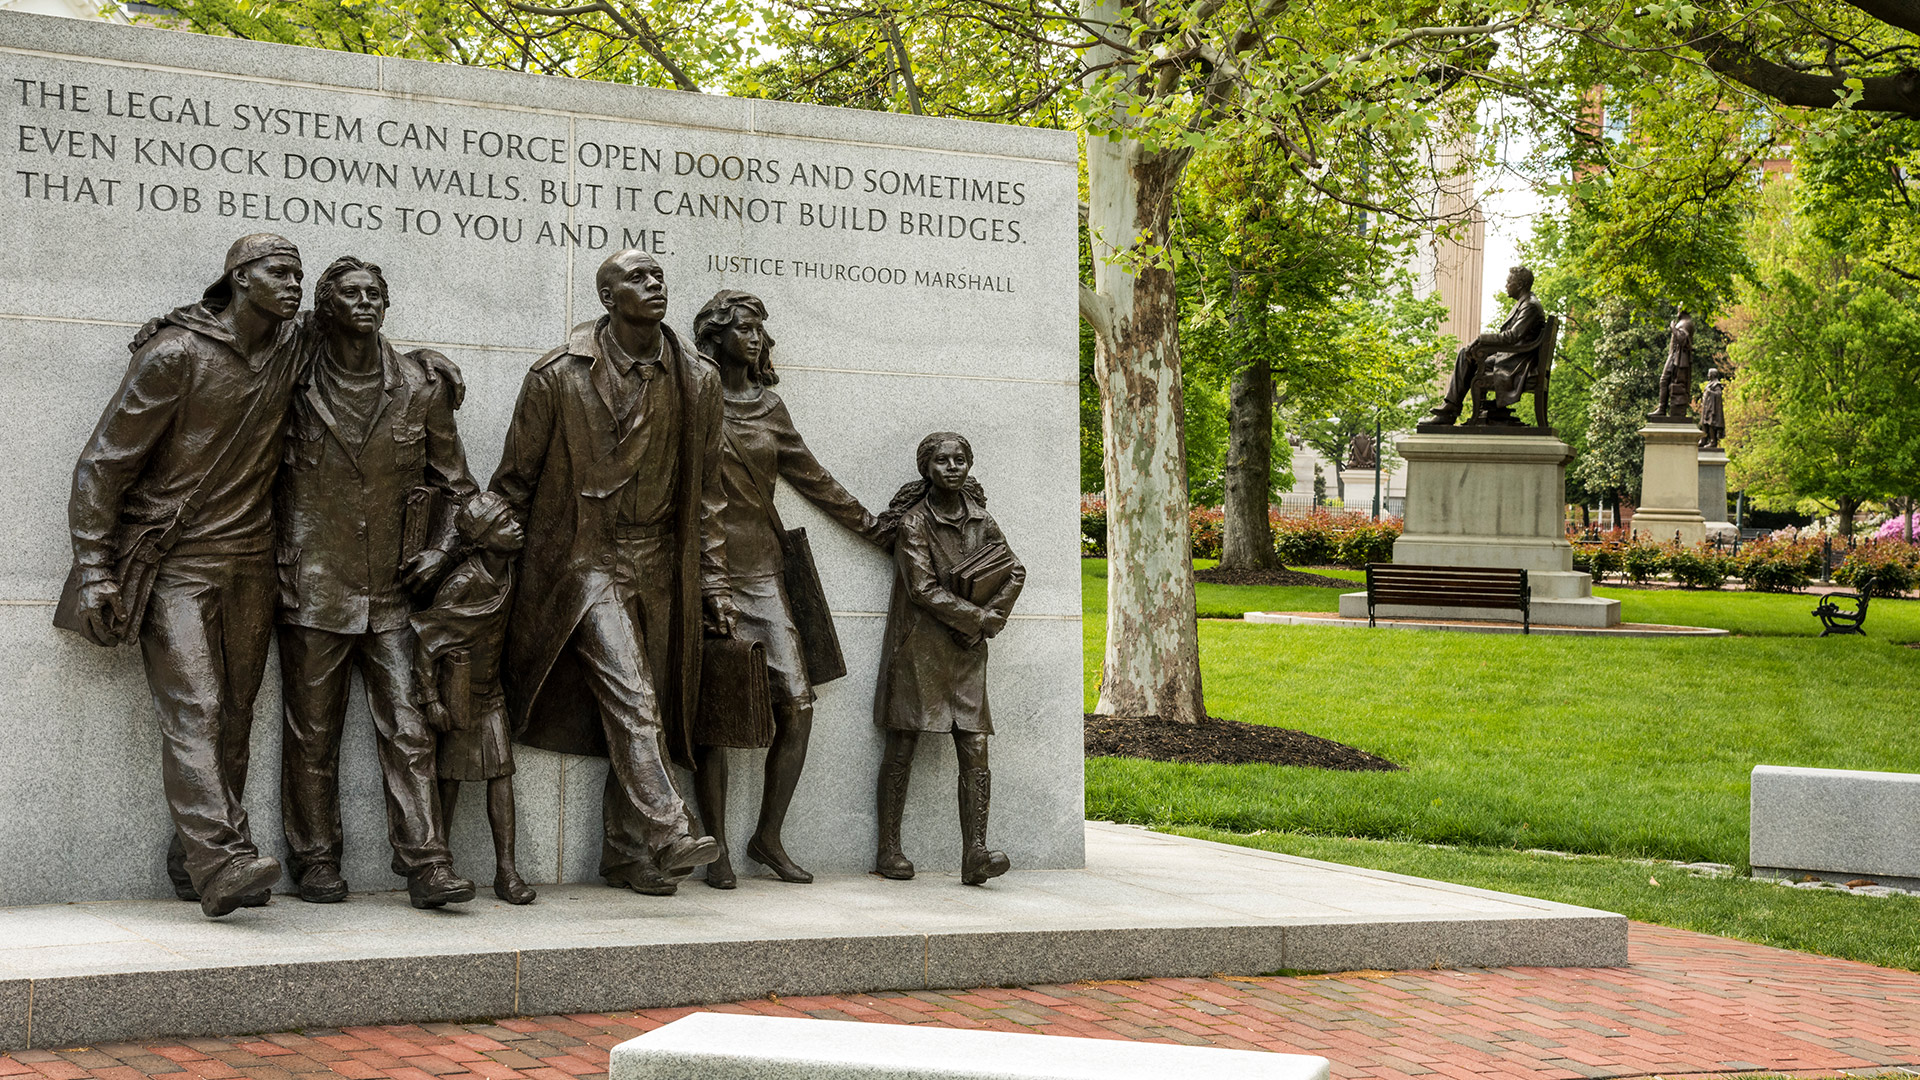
{"x":1689,"y":1004}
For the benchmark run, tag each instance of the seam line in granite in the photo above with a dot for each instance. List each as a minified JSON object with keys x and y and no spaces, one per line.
{"x":516,"y":982}
{"x":930,"y":375}
{"x":29,"y":1036}
{"x":66,"y":319}
{"x":383,"y":91}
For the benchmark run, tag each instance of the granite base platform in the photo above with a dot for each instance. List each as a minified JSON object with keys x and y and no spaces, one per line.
{"x":1145,"y":905}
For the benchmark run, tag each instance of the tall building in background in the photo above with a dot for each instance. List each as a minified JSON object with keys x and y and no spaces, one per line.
{"x":1453,"y":263}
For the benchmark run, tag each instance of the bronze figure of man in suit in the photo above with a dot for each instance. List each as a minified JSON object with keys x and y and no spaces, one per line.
{"x":1502,"y":358}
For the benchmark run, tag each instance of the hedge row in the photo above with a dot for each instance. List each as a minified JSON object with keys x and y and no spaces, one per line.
{"x":1886,"y":568}
{"x":1319,"y":538}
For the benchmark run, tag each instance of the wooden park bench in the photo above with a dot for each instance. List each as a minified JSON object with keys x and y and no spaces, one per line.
{"x":1450,"y":586}
{"x":1835,"y":619}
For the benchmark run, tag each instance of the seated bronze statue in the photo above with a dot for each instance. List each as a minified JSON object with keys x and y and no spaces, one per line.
{"x":1505,"y":363}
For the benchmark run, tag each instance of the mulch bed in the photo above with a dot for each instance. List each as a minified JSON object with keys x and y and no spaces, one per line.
{"x":1223,"y":742}
{"x":1281,"y":576}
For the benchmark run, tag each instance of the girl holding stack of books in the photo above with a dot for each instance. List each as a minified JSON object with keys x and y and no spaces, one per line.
{"x":955,"y":581}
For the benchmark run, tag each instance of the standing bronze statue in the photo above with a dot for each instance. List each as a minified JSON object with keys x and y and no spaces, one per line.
{"x":1504,"y":360}
{"x":611,"y":466}
{"x":1713,"y":411}
{"x":1676,"y":376}
{"x":373,"y":472}
{"x":954,"y":585}
{"x":172,"y":522}
{"x":760,"y":448}
{"x":461,"y":638}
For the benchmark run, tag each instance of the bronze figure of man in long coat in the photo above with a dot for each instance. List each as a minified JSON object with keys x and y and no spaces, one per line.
{"x":609,"y":466}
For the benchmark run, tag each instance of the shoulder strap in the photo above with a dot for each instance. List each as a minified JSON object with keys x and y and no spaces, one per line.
{"x":754,"y":475}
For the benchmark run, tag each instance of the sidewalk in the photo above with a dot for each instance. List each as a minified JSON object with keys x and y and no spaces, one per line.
{"x":1688,"y":1004}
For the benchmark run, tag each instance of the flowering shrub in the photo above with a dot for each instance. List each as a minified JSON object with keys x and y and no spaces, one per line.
{"x":1642,"y":560}
{"x":1880,"y":568}
{"x":1093,"y":526}
{"x":1327,"y":537}
{"x":1701,"y":566}
{"x":1319,"y":538}
{"x":1895,"y":528}
{"x":1770,"y":565}
{"x":1205,"y":528}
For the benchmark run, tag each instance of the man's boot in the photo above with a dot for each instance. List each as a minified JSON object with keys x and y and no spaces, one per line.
{"x":889,"y":862}
{"x":977,"y":864}
{"x":437,"y":886}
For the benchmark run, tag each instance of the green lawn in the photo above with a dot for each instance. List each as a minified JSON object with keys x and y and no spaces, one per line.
{"x":1877,"y":930}
{"x":1608,"y":746}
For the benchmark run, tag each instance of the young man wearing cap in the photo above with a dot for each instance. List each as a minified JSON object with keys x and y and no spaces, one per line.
{"x":173,"y":544}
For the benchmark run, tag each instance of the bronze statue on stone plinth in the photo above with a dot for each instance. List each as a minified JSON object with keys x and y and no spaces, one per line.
{"x":771,"y":576}
{"x":1676,"y":376}
{"x":955,"y":582}
{"x":611,"y":466}
{"x":1713,"y":411}
{"x":1500,"y":366}
{"x":373,"y":471}
{"x":172,"y":525}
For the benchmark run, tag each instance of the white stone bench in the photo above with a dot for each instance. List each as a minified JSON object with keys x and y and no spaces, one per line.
{"x":1838,"y":824}
{"x":729,"y":1046}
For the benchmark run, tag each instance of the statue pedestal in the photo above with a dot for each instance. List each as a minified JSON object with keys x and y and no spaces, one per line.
{"x":1357,"y":488}
{"x":1713,"y":495}
{"x":1492,"y":500}
{"x":1670,"y":483}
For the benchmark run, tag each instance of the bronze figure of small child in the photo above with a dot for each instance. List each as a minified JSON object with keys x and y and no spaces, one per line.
{"x":458,"y":676}
{"x":955,"y":581}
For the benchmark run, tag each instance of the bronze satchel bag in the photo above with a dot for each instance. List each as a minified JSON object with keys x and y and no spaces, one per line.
{"x":736,"y":702}
{"x":138,"y":549}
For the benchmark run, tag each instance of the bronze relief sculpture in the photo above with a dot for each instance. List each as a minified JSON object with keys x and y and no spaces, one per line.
{"x":371,"y":443}
{"x":609,"y":466}
{"x":172,"y":525}
{"x":1504,"y":361}
{"x":759,"y":448}
{"x":256,"y":462}
{"x":457,"y":659}
{"x":955,"y":582}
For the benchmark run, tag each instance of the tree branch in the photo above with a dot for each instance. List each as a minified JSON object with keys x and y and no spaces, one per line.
{"x":1898,"y":94}
{"x":639,"y":31}
{"x":1409,"y":37}
{"x":1901,"y":13}
{"x":1097,"y":310}
{"x":905,"y":64}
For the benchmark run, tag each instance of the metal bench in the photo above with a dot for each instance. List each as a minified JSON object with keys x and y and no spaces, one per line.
{"x":1835,"y":619}
{"x":1450,"y":586}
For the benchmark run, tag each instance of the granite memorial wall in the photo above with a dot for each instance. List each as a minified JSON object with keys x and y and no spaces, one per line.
{"x":919,"y":275}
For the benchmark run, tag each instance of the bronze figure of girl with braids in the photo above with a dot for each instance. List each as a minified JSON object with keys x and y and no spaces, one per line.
{"x":955,"y":581}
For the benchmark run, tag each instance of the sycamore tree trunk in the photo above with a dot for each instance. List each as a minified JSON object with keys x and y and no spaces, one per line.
{"x":1247,"y":537}
{"x":1152,"y":664}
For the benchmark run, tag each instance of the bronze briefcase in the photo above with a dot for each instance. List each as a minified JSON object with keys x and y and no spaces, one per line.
{"x":736,"y":703}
